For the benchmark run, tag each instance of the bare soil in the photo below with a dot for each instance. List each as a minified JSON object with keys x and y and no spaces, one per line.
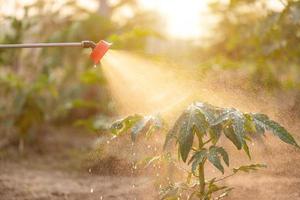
{"x":55,"y":170}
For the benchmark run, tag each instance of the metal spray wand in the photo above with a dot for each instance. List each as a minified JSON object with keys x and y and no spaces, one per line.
{"x":98,"y":50}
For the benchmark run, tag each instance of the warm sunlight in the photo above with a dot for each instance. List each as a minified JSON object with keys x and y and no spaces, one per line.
{"x":184,"y":18}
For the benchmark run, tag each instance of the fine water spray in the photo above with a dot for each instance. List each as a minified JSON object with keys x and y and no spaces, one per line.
{"x":98,"y":49}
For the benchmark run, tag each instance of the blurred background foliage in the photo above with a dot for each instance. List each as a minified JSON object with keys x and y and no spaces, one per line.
{"x":59,"y":86}
{"x":253,"y":35}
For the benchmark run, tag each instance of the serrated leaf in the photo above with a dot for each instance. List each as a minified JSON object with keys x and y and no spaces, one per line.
{"x":214,"y":158}
{"x":215,"y":133}
{"x":229,"y":133}
{"x":185,"y":140}
{"x":198,"y":158}
{"x":198,"y":119}
{"x":194,"y":123}
{"x":238,"y":126}
{"x":249,"y":125}
{"x":174,"y":131}
{"x":135,"y":124}
{"x":248,"y":168}
{"x":207,"y":110}
{"x":224,"y":116}
{"x":264,"y":121}
{"x":123,"y":125}
{"x":224,"y":155}
{"x":139,"y":127}
{"x":246,"y":149}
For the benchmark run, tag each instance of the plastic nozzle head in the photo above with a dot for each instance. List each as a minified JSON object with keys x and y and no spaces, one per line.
{"x":99,"y":51}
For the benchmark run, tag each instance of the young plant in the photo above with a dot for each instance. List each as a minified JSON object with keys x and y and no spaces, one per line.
{"x":196,"y":133}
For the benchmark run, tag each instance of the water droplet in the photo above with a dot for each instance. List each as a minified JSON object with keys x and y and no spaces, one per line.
{"x":92,"y":190}
{"x":90,"y":170}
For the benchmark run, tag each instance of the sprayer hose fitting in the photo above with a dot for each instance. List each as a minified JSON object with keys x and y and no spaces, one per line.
{"x":88,"y":44}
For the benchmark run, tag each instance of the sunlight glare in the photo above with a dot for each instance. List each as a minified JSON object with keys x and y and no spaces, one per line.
{"x":183,"y":18}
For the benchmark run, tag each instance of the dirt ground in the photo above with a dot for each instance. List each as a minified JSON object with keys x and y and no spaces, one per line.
{"x":54,"y":171}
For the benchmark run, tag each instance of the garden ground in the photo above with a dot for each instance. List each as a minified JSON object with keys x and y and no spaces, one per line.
{"x":55,"y":171}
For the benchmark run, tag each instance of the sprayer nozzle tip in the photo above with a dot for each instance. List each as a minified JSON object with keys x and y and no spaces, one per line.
{"x":99,"y":51}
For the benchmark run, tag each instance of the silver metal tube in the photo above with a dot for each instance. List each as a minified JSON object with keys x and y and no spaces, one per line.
{"x":83,"y":44}
{"x":42,"y":45}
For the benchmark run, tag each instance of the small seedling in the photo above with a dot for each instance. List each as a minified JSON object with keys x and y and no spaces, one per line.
{"x":196,"y":134}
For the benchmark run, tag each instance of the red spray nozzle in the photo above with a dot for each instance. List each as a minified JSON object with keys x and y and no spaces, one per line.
{"x":99,"y":51}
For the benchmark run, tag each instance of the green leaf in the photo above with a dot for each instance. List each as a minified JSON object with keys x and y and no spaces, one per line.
{"x":213,"y":157}
{"x":139,"y":127}
{"x":198,"y":119}
{"x":224,"y":154}
{"x":238,"y":126}
{"x":136,"y":124}
{"x":123,"y":125}
{"x":215,"y":133}
{"x":229,"y":133}
{"x":246,"y":149}
{"x":194,"y":122}
{"x":208,"y":111}
{"x":174,"y":131}
{"x":186,"y":138}
{"x":224,"y":116}
{"x":262,"y":120}
{"x":197,"y":159}
{"x":249,"y":168}
{"x":249,"y":125}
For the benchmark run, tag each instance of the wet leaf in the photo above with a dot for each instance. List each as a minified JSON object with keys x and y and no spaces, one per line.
{"x":214,"y":158}
{"x":229,"y":133}
{"x":197,"y":159}
{"x":249,"y":168}
{"x":263,"y":121}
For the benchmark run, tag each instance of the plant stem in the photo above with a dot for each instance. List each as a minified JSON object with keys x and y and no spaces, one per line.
{"x":201,"y":172}
{"x":201,"y":179}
